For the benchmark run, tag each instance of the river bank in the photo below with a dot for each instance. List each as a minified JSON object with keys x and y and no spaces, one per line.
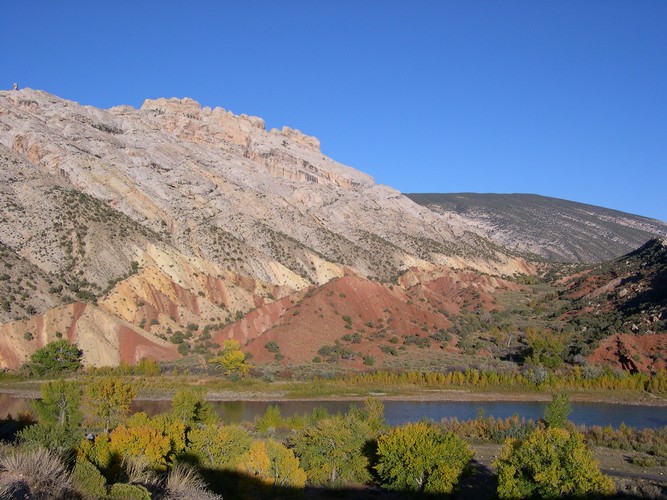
{"x":454,"y":395}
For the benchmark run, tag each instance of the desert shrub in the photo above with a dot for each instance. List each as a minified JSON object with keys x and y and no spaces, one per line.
{"x":650,"y":441}
{"x":272,"y":347}
{"x":422,"y":458}
{"x":138,"y":471}
{"x":36,"y":473}
{"x":184,"y":483}
{"x":88,"y":481}
{"x":489,"y":429}
{"x":549,"y":463}
{"x":644,"y":461}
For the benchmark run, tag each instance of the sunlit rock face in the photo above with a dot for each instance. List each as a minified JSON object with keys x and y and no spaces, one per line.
{"x":195,"y":213}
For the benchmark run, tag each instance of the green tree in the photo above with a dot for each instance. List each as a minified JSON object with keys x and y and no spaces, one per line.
{"x":544,"y":348}
{"x":60,"y":404}
{"x":374,"y":415}
{"x":422,"y":458}
{"x":56,"y":357}
{"x":270,"y":421}
{"x":333,"y":450}
{"x":59,"y":415}
{"x":190,"y":406}
{"x":556,"y":412}
{"x":549,"y":463}
{"x":108,"y":401}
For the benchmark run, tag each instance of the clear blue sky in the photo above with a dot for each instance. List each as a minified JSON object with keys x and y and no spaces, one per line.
{"x":559,"y":98}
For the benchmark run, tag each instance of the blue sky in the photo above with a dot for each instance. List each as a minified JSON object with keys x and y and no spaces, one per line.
{"x":559,"y":98}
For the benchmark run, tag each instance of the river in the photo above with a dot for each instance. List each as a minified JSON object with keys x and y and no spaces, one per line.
{"x":400,"y":412}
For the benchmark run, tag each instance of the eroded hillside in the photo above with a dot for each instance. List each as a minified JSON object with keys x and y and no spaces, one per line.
{"x":164,"y":231}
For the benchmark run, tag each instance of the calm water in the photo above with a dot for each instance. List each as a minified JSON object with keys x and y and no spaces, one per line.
{"x":399,"y":412}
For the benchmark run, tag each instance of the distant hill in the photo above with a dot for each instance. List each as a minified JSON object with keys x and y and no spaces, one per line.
{"x":554,"y":229}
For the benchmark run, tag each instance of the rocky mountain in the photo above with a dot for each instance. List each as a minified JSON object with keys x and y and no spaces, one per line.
{"x":163,"y":231}
{"x":193,"y":212}
{"x":554,"y":229}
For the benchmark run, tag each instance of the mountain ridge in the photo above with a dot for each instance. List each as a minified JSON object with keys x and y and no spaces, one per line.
{"x":165,"y":230}
{"x":552,"y":228}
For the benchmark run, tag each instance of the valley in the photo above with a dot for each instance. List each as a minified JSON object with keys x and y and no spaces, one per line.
{"x":180,"y":258}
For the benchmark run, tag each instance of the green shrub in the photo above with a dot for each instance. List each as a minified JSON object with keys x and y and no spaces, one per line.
{"x":556,"y":412}
{"x":124,"y":491}
{"x":88,"y":480}
{"x":56,"y":357}
{"x":644,"y":461}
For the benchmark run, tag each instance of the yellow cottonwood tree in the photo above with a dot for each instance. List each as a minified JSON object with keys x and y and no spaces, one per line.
{"x":231,"y":359}
{"x":549,"y":463}
{"x":422,"y":458}
{"x":141,"y":442}
{"x":219,"y":447}
{"x":274,"y":464}
{"x":108,"y":401}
